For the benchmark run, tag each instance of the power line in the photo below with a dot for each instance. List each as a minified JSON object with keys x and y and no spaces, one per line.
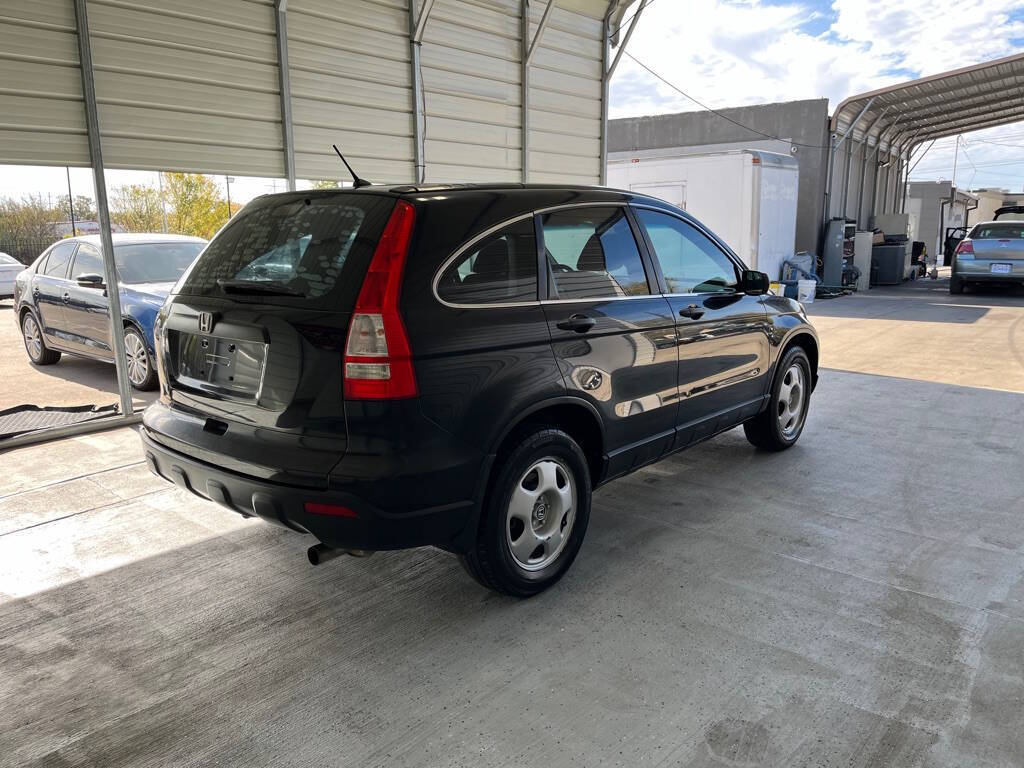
{"x":704,"y":106}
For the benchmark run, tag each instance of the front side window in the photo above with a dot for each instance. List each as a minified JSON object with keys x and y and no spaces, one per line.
{"x":689,"y":260}
{"x":591,"y":253}
{"x":500,"y":269}
{"x":87,"y":262}
{"x":57,"y":261}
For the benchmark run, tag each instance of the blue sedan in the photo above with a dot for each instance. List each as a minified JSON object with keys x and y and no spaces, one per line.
{"x":61,"y":300}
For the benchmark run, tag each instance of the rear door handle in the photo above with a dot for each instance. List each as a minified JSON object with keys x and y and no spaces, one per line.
{"x":693,"y":312}
{"x":578,"y":323}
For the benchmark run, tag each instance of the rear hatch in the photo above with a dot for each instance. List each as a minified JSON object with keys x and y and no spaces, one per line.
{"x":1000,"y":242}
{"x":252,"y":342}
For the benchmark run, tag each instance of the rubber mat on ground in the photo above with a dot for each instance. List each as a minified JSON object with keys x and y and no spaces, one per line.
{"x":23,"y":419}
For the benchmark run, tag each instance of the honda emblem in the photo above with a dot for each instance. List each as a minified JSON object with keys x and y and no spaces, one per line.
{"x":205,"y":322}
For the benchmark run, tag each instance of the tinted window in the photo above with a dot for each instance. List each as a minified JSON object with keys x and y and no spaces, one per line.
{"x":690,"y":261}
{"x":295,"y":244}
{"x":998,"y":232}
{"x":87,"y":262}
{"x":154,"y":262}
{"x":501,"y":268}
{"x":57,"y":261}
{"x":591,"y":253}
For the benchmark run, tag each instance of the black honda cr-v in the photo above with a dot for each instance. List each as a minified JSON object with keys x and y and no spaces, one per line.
{"x":460,"y":366}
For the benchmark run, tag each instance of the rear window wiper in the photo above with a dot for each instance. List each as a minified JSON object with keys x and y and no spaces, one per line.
{"x":258,"y":286}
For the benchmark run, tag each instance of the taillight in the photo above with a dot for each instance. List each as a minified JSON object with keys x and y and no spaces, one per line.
{"x":378,"y":360}
{"x":965,"y":247}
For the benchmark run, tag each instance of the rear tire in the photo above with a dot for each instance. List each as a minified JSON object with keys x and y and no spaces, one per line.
{"x":956,"y":285}
{"x":534,"y":517}
{"x":32,"y":335}
{"x":780,"y":425}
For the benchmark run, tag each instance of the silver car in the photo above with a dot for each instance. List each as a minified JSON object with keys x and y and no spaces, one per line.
{"x":9,"y":269}
{"x":992,"y":252}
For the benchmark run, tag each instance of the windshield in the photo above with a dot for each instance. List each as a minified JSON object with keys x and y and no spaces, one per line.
{"x":154,"y":262}
{"x":1006,"y":231}
{"x":300,"y":246}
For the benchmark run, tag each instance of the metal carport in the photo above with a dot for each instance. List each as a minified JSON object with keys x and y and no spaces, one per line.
{"x":874,"y":134}
{"x":412,"y":90}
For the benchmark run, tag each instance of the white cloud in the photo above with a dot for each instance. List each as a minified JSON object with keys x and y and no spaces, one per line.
{"x":737,"y":53}
{"x":734,"y":53}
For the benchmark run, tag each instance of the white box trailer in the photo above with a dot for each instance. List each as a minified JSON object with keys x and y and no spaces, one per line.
{"x":746,"y":197}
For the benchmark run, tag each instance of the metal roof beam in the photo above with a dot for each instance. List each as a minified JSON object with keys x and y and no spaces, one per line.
{"x":941,"y":133}
{"x":965,"y":119}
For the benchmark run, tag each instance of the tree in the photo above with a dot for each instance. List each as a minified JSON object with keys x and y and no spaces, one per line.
{"x":325,"y":184}
{"x":195,"y":204}
{"x":136,"y":208}
{"x":31,"y":218}
{"x":84,"y":208}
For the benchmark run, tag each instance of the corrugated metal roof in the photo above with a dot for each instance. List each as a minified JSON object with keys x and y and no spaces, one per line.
{"x":961,"y":100}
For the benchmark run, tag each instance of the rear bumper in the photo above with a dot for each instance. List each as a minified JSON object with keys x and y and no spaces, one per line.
{"x":372,"y":529}
{"x":980,"y":270}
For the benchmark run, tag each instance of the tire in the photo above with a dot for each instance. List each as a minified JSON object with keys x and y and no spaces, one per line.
{"x":32,"y":335}
{"x":956,"y":285}
{"x":779,"y":425}
{"x":141,"y":371}
{"x":544,"y":470}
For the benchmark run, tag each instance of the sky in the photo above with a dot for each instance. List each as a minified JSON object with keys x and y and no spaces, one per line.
{"x":728,"y":53}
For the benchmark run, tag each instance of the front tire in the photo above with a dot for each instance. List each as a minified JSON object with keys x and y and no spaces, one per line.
{"x":141,"y":372}
{"x":534,"y":517}
{"x":780,"y":425}
{"x":32,"y":334}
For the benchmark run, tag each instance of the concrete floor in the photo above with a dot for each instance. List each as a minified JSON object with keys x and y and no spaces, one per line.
{"x":72,"y":381}
{"x":855,"y":601}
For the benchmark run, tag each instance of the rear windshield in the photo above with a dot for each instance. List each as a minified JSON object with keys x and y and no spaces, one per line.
{"x":304,"y":248}
{"x":1007,"y":231}
{"x":154,"y":262}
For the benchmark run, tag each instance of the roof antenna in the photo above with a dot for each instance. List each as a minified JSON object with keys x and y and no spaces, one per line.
{"x":356,"y":181}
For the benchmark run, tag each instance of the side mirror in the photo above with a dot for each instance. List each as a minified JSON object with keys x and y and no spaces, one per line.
{"x":90,"y":280}
{"x":753,"y":282}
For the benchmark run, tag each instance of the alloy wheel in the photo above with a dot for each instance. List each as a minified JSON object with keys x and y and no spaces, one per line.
{"x":541,"y":514}
{"x":138,"y":362}
{"x":33,"y":338}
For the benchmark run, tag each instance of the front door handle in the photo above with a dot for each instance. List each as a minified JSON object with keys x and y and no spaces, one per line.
{"x":578,"y":323}
{"x":693,"y":312}
{"x":66,"y":298}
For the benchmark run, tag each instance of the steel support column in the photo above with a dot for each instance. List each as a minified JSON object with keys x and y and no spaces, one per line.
{"x":526,"y":50}
{"x":92,"y":123}
{"x":606,"y":43}
{"x":830,"y":172}
{"x":417,"y":25}
{"x":284,"y":81}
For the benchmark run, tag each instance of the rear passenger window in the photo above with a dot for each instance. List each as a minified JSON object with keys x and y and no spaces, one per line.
{"x":57,"y":261}
{"x":690,"y":261}
{"x":500,"y":269}
{"x":591,"y":253}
